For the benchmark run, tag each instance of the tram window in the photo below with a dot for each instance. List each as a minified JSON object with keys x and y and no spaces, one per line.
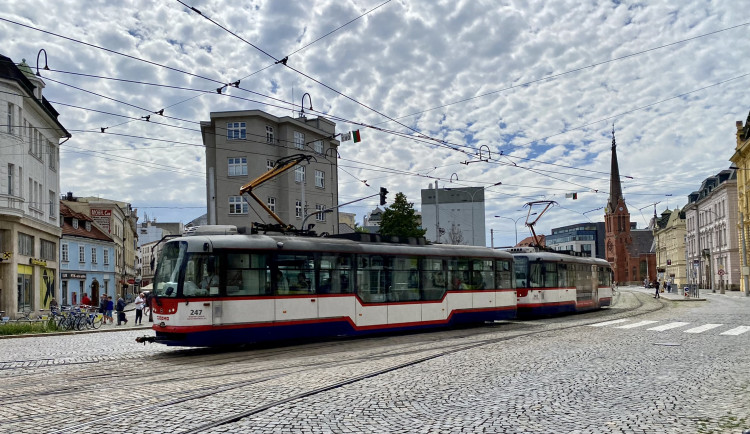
{"x":335,"y":274}
{"x":521,"y":268}
{"x":374,"y":278}
{"x":503,"y":275}
{"x":458,"y":272}
{"x":247,"y":274}
{"x":294,"y":274}
{"x":482,"y":276}
{"x":201,"y":277}
{"x":562,"y":275}
{"x":535,"y":275}
{"x":433,"y":280}
{"x":550,"y":275}
{"x":405,"y":285}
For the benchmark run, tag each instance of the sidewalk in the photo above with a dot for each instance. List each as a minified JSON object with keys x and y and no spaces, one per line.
{"x":679,"y":295}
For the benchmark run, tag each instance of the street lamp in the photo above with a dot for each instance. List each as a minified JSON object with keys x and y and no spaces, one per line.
{"x":472,"y":205}
{"x":515,"y":223}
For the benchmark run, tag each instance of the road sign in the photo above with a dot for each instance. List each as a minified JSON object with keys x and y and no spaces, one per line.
{"x":721,"y":272}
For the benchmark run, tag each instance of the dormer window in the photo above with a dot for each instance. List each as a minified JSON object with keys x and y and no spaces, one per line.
{"x":75,"y":223}
{"x":88,"y":226}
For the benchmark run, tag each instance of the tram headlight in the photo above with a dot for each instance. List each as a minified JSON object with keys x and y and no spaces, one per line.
{"x":162,"y":324}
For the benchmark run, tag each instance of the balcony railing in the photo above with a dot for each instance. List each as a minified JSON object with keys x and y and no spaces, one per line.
{"x":12,"y":205}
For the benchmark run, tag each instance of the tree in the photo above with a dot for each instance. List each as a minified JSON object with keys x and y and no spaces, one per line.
{"x":360,"y":229}
{"x":400,"y":219}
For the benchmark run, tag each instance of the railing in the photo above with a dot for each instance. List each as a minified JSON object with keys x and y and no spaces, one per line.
{"x":11,"y":204}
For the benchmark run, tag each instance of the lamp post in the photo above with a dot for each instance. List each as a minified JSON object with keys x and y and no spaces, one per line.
{"x":472,"y":205}
{"x":515,"y":223}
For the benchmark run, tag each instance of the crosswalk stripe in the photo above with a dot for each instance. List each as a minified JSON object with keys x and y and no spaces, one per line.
{"x":736,"y":331}
{"x":672,"y":325}
{"x":602,"y":324}
{"x":703,"y":328}
{"x":638,"y":324}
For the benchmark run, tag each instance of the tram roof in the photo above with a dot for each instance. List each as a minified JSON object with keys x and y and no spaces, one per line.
{"x":299,"y":243}
{"x":561,"y":257}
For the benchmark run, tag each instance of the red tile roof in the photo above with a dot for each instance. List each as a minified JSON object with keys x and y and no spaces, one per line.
{"x":67,"y":215}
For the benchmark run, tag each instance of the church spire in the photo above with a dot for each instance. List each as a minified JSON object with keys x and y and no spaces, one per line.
{"x":615,"y":189}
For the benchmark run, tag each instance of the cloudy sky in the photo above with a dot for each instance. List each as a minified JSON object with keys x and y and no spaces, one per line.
{"x":525,"y":92}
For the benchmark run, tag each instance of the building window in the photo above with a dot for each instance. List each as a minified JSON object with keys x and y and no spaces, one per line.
{"x":48,"y":250}
{"x":52,"y":155}
{"x":299,"y":174}
{"x":52,"y":200}
{"x":320,"y":179}
{"x":25,"y":244}
{"x":271,"y":202}
{"x":88,"y":226}
{"x":318,"y":146}
{"x":10,"y":118}
{"x":64,"y":248}
{"x":237,"y":205}
{"x":320,"y":215}
{"x":236,"y":131}
{"x":81,"y":254}
{"x":269,"y":165}
{"x":93,"y":255}
{"x":237,"y":166}
{"x":299,"y":140}
{"x":75,"y":223}
{"x":298,"y":209}
{"x":106,"y":258}
{"x":25,"y":289}
{"x":269,"y":134}
{"x":11,"y":176}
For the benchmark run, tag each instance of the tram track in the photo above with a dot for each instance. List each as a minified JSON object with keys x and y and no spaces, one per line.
{"x":445,"y":350}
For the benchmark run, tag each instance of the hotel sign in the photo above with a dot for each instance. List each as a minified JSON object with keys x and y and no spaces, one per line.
{"x":81,"y":276}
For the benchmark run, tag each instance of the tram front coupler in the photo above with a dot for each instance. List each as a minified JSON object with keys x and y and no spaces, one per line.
{"x":144,"y":339}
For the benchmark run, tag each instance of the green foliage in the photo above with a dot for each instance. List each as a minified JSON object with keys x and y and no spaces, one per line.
{"x":358,"y":228}
{"x":25,"y":327}
{"x":400,"y":219}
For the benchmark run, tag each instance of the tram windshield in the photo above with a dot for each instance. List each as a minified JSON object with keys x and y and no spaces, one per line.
{"x":183,"y":274}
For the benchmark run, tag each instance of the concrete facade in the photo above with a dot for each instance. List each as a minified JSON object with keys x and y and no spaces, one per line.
{"x":712,"y":237}
{"x":458,"y":212}
{"x":242,"y":145}
{"x":29,"y":189}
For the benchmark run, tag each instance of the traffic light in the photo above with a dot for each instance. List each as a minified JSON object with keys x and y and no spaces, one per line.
{"x":383,"y":192}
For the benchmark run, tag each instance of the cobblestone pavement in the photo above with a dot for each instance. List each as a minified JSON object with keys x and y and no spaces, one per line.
{"x":676,"y":367}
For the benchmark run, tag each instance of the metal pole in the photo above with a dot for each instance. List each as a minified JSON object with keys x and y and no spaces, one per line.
{"x":437,"y":214}
{"x":492,"y":238}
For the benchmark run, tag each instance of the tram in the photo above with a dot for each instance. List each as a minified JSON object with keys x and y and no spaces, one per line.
{"x":216,"y":287}
{"x":549,"y":283}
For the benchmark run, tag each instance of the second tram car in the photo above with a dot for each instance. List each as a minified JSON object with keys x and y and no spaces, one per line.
{"x":549,"y":283}
{"x":213,"y":290}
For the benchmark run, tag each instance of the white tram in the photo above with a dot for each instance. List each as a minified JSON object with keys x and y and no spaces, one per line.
{"x":549,"y":283}
{"x":213,"y":290}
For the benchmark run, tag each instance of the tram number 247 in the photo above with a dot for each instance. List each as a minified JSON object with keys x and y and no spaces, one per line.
{"x":196,"y":312}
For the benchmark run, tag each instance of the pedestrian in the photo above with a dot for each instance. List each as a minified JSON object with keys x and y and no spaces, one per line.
{"x":110,"y":308}
{"x":149,"y":305}
{"x":669,"y":286}
{"x":140,"y":301}
{"x":121,"y":311}
{"x":53,"y":306}
{"x":656,"y":285}
{"x":85,"y":301}
{"x":103,"y":307}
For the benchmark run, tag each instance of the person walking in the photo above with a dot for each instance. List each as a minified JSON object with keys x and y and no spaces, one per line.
{"x":140,"y":301}
{"x":110,"y":308}
{"x":121,"y":311}
{"x":103,"y":307}
{"x":656,"y":285}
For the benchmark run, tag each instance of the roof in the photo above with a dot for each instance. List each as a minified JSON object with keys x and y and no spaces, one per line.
{"x":9,"y":71}
{"x":529,"y":241}
{"x":67,"y":215}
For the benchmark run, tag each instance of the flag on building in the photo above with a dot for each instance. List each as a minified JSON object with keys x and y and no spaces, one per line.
{"x":355,"y":135}
{"x":573,"y":196}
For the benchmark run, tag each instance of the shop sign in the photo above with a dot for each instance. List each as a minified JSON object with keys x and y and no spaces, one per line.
{"x":81,"y":276}
{"x":40,"y":262}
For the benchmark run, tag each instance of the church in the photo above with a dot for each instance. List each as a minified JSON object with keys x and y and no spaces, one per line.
{"x":628,"y":250}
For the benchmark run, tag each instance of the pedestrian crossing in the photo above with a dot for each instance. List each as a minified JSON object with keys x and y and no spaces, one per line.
{"x":679,"y":326}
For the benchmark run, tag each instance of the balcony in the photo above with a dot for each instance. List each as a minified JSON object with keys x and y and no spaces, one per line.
{"x":12,"y":205}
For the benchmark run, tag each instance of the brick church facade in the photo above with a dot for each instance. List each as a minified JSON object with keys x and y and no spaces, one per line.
{"x":627,"y":249}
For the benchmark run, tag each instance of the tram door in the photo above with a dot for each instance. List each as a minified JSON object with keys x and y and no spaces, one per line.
{"x":595,"y":285}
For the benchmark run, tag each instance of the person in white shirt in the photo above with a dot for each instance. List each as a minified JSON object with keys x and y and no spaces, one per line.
{"x":140,"y":301}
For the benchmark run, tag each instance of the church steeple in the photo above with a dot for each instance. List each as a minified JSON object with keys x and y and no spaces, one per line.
{"x":615,"y":188}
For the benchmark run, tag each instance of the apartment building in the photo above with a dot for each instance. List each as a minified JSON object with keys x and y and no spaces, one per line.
{"x":30,"y":231}
{"x":242,"y":145}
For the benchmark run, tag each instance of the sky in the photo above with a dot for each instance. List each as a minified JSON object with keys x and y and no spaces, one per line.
{"x":465,"y":93}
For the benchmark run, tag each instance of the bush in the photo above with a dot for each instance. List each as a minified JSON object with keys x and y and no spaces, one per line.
{"x":23,"y":328}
